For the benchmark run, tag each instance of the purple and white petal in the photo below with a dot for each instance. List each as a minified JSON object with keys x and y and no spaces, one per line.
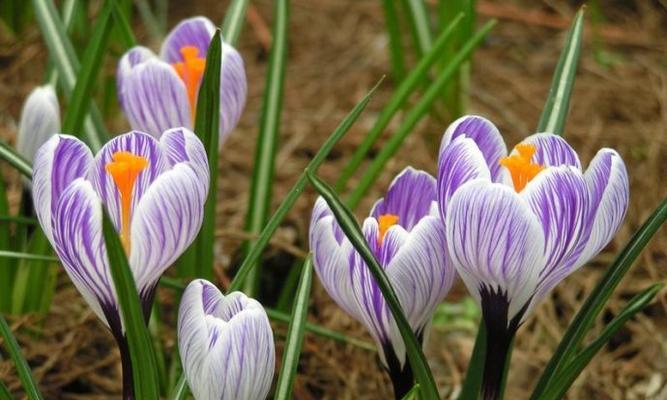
{"x":40,"y":119}
{"x":485,"y":134}
{"x":460,"y":161}
{"x":133,"y":57}
{"x":155,"y":98}
{"x":559,"y":199}
{"x":233,"y":90}
{"x":492,"y":237}
{"x":139,"y":144}
{"x":79,"y":243}
{"x":226,"y":344}
{"x":166,"y":220}
{"x":195,"y":31}
{"x":552,"y":150}
{"x":410,"y":197}
{"x":60,"y":161}
{"x":182,"y":145}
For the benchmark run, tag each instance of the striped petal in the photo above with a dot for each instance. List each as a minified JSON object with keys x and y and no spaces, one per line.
{"x":495,"y":243}
{"x":233,"y":90}
{"x":486,"y":136}
{"x":552,"y":150}
{"x":410,"y":197}
{"x":137,"y":143}
{"x":154,"y":98}
{"x":559,"y":198}
{"x":133,"y":57}
{"x":40,"y":119}
{"x":196,"y":31}
{"x":460,"y":161}
{"x":166,"y":220}
{"x":60,"y":161}
{"x":226,"y":344}
{"x":182,"y":145}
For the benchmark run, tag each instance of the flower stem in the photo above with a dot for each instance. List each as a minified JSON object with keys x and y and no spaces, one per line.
{"x":496,"y":364}
{"x":402,"y":378}
{"x":126,"y":364}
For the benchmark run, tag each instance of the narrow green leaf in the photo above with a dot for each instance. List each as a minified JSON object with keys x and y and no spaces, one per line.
{"x":596,"y":301}
{"x":419,"y":26}
{"x":123,"y":26}
{"x":31,"y":282}
{"x":149,"y":20}
{"x":231,"y":27}
{"x":413,"y":394}
{"x":561,"y":383}
{"x":351,"y":229}
{"x":273,"y":223}
{"x":6,"y":266}
{"x":295,"y":333}
{"x":414,"y":116}
{"x":473,"y":379}
{"x":267,"y":140}
{"x":142,"y":353}
{"x":29,"y":384}
{"x":558,"y":100}
{"x":4,"y":392}
{"x":14,"y":159}
{"x":79,"y":103}
{"x":396,"y":101}
{"x":396,"y":53}
{"x":180,"y":390}
{"x":18,"y":219}
{"x":27,"y":256}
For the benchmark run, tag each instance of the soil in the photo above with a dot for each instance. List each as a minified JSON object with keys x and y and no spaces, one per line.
{"x":337,"y":52}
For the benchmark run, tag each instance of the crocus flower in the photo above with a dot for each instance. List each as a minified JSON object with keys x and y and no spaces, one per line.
{"x":154,"y":192}
{"x":40,"y":119}
{"x":406,"y":235}
{"x":226,"y":344}
{"x":159,"y":93}
{"x":518,"y":224}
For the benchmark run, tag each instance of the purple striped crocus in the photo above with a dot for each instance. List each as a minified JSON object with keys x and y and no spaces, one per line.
{"x":406,"y":235}
{"x":159,"y":93}
{"x":40,"y":119}
{"x":226,"y":344}
{"x":518,"y":224}
{"x":154,"y":192}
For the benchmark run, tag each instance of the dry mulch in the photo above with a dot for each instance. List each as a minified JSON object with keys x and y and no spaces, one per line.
{"x":337,"y":51}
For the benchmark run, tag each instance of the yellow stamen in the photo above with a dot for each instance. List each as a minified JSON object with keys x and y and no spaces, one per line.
{"x":386,"y":221}
{"x":191,"y":70}
{"x":124,"y":170}
{"x":520,"y":166}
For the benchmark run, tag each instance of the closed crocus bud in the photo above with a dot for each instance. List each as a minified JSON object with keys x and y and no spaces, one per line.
{"x":40,"y":119}
{"x":226,"y":344}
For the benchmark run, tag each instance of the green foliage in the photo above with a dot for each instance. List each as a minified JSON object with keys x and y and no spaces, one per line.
{"x":28,"y":381}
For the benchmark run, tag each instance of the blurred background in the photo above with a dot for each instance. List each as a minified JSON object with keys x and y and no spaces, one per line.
{"x":338,"y":50}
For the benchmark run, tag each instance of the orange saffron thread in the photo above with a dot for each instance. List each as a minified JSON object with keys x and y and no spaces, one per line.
{"x":520,"y":166}
{"x":191,"y":70}
{"x":385,"y":222}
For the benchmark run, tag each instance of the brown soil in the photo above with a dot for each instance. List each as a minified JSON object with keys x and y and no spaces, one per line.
{"x":337,"y":51}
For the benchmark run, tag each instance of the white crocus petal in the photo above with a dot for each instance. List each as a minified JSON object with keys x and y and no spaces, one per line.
{"x":552,"y":150}
{"x":495,"y":242}
{"x":132,"y":58}
{"x":233,"y":90}
{"x":40,"y":119}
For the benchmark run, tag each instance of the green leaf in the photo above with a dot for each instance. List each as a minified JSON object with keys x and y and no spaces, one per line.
{"x":27,"y":256}
{"x":414,"y":116}
{"x":180,"y":390}
{"x":558,"y":100}
{"x":18,"y":219}
{"x":397,"y":100}
{"x":32,"y":282}
{"x":599,"y":297}
{"x":295,"y":333}
{"x":275,"y":220}
{"x":62,"y":51}
{"x":14,"y":159}
{"x":351,"y":229}
{"x":142,"y":352}
{"x":561,"y":383}
{"x":419,"y":26}
{"x":4,"y":392}
{"x":28,"y":381}
{"x":473,"y":379}
{"x":267,"y":140}
{"x":6,"y":266}
{"x":123,"y":26}
{"x":413,"y":394}
{"x":231,"y":27}
{"x":396,"y":53}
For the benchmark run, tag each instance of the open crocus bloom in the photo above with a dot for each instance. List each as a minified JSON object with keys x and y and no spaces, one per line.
{"x":154,"y":192}
{"x":517,"y":225}
{"x":407,"y":237}
{"x":159,"y":93}
{"x":226,"y":344}
{"x":40,"y":119}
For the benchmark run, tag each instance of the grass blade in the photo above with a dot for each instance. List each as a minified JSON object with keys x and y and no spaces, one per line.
{"x":560,"y":384}
{"x":124,"y":29}
{"x":142,"y":353}
{"x":267,"y":140}
{"x":18,"y":219}
{"x":27,"y":256}
{"x":558,"y":100}
{"x":181,"y":389}
{"x":231,"y":26}
{"x":419,"y":25}
{"x":396,"y":53}
{"x":397,"y":100}
{"x":353,"y":232}
{"x":413,"y":394}
{"x":29,"y":384}
{"x":473,"y":379}
{"x":32,"y":281}
{"x":269,"y":229}
{"x":6,"y":266}
{"x":14,"y":159}
{"x":4,"y":392}
{"x":598,"y":298}
{"x":415,"y":115}
{"x":295,"y":333}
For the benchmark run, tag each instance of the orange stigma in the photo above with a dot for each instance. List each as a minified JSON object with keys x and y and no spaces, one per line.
{"x":522,"y":169}
{"x":124,"y":170}
{"x":191,"y":70}
{"x":386,"y":221}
